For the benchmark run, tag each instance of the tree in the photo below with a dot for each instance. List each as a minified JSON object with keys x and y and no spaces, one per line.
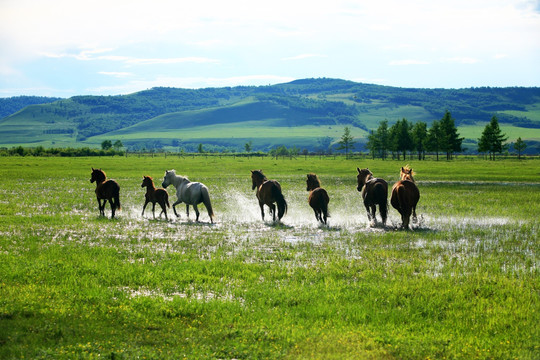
{"x":519,"y":146}
{"x":106,"y":144}
{"x":451,"y":142}
{"x":347,"y":141}
{"x":419,"y":135}
{"x":373,"y":143}
{"x":400,"y":137}
{"x":324,"y":143}
{"x":383,"y":136}
{"x":492,"y":139}
{"x":434,"y":138}
{"x":200,"y":149}
{"x":118,"y":145}
{"x":248,"y":146}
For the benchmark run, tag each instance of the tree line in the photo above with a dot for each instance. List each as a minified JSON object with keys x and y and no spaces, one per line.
{"x":441,"y":137}
{"x":404,"y":136}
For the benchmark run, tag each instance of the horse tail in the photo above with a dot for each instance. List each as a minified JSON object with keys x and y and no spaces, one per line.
{"x":206,"y":201}
{"x":117,"y":196}
{"x":325,"y":201}
{"x":280,"y":200}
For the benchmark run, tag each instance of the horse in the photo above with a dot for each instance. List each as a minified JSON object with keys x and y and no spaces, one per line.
{"x":405,"y":196}
{"x":154,"y":195}
{"x":190,"y":193}
{"x":268,"y":193}
{"x":374,"y":192}
{"x":318,"y":198}
{"x":106,"y":190}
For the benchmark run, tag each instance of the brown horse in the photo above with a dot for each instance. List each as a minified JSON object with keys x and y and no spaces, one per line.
{"x":374,"y":192}
{"x":405,"y":196}
{"x":154,"y":196}
{"x":318,"y":198}
{"x":106,"y":190}
{"x":268,"y":193}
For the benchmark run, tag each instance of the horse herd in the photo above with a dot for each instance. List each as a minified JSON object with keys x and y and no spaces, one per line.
{"x":374,"y":191}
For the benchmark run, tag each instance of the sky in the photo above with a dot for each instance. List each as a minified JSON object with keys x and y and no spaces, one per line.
{"x":70,"y":47}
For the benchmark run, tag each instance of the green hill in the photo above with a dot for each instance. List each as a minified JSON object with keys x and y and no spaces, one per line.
{"x":301,"y":113}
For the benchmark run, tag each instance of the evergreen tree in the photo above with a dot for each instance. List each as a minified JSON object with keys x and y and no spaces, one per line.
{"x":519,"y":146}
{"x":400,"y":138}
{"x":451,"y":142}
{"x":383,"y":138}
{"x":419,"y":135}
{"x":347,"y":141}
{"x":492,"y":139}
{"x":373,"y":143}
{"x":434,"y":138}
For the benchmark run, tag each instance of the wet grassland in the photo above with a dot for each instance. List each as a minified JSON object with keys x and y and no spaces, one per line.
{"x":463,"y":284}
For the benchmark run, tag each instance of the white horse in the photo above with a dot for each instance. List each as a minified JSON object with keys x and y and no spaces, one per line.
{"x":190,"y":193}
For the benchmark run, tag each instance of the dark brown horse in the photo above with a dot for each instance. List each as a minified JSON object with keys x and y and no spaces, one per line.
{"x":374,"y":192}
{"x":106,"y":190}
{"x":154,"y":196}
{"x":268,"y":193}
{"x":318,"y":198}
{"x":405,"y":196}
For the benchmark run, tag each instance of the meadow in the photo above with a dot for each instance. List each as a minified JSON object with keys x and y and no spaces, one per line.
{"x":463,"y":284}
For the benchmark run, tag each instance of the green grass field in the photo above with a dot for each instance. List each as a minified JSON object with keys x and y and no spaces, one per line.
{"x":464,"y":284}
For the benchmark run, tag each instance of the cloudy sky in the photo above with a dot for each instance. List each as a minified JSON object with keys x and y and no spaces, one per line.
{"x":72,"y":47}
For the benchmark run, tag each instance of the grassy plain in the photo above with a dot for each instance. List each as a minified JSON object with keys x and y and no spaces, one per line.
{"x":464,"y":284}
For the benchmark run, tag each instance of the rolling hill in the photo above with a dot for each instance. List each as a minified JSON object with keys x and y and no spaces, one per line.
{"x":304,"y":113}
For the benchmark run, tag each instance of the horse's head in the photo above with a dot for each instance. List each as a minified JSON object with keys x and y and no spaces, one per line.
{"x":312,"y":182}
{"x":406,"y":173}
{"x":147,"y":181}
{"x":363,"y":176}
{"x":257,"y":178}
{"x":167,"y":179}
{"x":98,"y":176}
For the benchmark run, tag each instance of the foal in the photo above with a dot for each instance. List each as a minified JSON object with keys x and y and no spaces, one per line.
{"x":154,"y":195}
{"x":318,"y":198}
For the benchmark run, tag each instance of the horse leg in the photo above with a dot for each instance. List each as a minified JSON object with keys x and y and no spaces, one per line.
{"x":414,"y":219}
{"x":174,"y":207}
{"x":113,"y":207}
{"x":261,"y":205}
{"x":373,"y":211}
{"x":273,"y":211}
{"x":187,"y":210}
{"x":144,"y":207}
{"x":163,"y":209}
{"x":316,"y":215}
{"x":383,"y":209}
{"x":154,"y":209}
{"x":196,"y":212}
{"x":368,"y":212}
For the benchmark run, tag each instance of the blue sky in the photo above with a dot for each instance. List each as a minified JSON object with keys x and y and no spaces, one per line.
{"x":70,"y":47}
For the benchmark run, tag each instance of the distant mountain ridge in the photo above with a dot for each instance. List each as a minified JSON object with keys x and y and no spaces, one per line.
{"x":321,"y":107}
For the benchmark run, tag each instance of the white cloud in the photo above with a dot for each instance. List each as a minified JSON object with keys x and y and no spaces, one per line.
{"x":461,"y":60}
{"x":115,"y":74}
{"x":408,"y":62}
{"x":304,"y":56}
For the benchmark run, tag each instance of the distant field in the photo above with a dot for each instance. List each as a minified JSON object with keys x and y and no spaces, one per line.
{"x":463,"y":284}
{"x":475,"y":132}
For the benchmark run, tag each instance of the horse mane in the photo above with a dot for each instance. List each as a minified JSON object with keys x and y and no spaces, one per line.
{"x":407,"y":173}
{"x":314,"y":180}
{"x":175,"y":174}
{"x":101,"y":174}
{"x":259,"y":173}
